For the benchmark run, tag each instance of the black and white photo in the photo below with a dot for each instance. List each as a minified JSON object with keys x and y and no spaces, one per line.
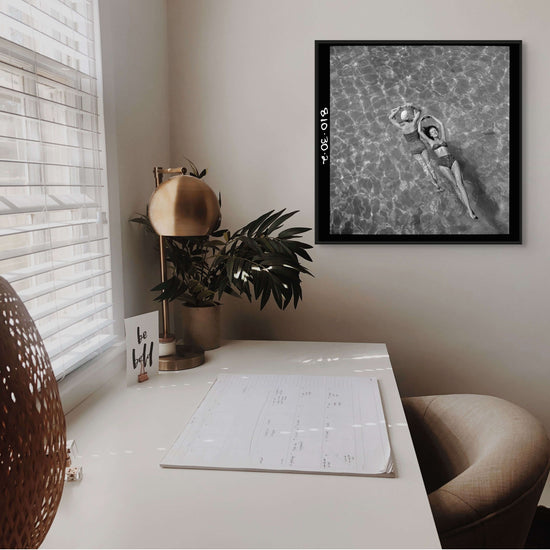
{"x":418,"y":141}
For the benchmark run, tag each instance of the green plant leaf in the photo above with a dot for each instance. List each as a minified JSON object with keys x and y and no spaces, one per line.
{"x":278,"y":222}
{"x":229,"y":268}
{"x":169,"y":283}
{"x":265,"y":297}
{"x":289,"y":233}
{"x":213,"y":244}
{"x":266,"y":243}
{"x":267,"y":223}
{"x":246,"y":291}
{"x":250,"y":228}
{"x":251,"y":243}
{"x":194,"y":171}
{"x":299,"y":250}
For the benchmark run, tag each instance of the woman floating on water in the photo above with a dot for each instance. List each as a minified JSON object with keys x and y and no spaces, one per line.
{"x":409,"y":116}
{"x":436,"y":138}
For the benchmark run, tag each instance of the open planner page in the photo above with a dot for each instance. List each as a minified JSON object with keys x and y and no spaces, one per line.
{"x":290,"y":423}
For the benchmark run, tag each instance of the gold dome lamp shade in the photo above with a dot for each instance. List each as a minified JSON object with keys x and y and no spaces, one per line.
{"x":182,"y":206}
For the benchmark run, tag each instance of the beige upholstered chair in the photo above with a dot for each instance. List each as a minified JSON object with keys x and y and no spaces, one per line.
{"x":484,"y":462}
{"x":32,"y":429}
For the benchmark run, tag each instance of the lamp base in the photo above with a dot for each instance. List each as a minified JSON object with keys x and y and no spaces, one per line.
{"x":167,"y":345}
{"x":186,"y":357}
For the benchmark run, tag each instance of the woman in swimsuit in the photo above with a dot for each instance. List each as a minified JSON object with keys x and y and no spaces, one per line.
{"x":407,"y":124}
{"x":436,"y":138}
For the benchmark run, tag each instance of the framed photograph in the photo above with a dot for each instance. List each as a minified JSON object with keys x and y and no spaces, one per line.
{"x":418,"y":141}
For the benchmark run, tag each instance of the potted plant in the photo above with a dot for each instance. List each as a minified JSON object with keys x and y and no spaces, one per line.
{"x":261,"y":260}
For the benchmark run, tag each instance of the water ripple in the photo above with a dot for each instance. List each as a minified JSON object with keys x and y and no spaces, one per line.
{"x":376,"y":187}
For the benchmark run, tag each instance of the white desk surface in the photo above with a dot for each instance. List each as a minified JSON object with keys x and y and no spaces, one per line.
{"x":126,"y":500}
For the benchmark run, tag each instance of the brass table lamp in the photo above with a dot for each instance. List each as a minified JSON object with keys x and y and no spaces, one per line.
{"x":182,"y":206}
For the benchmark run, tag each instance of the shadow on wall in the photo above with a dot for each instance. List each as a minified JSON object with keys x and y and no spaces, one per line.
{"x":342,"y":320}
{"x":241,"y":319}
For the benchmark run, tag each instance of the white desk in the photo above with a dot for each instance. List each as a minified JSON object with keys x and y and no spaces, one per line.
{"x":126,"y":500}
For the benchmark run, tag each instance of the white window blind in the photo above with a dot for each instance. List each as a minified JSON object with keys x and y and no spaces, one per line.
{"x":54,"y":245}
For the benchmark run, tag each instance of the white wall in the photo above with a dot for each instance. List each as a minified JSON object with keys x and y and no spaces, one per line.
{"x":456,"y":318}
{"x":135,"y":74}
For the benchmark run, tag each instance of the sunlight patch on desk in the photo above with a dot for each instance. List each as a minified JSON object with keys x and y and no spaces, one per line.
{"x":383,"y":356}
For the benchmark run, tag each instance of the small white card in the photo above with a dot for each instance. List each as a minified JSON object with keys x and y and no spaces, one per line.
{"x":142,"y":347}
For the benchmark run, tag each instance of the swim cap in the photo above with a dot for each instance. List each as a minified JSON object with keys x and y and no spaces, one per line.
{"x":405,"y":114}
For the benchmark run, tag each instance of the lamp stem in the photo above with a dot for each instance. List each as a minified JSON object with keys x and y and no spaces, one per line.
{"x":165,"y":309}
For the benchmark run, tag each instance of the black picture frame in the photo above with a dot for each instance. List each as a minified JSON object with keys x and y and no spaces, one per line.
{"x":370,"y":186}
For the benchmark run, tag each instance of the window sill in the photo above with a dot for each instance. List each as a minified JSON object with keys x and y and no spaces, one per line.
{"x":81,"y":383}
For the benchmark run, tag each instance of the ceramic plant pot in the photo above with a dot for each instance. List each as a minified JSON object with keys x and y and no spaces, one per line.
{"x":202,"y":326}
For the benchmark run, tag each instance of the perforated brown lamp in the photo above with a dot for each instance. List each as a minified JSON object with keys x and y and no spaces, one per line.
{"x":182,"y":206}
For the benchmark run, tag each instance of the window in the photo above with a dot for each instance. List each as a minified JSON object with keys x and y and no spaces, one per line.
{"x":54,"y":234}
